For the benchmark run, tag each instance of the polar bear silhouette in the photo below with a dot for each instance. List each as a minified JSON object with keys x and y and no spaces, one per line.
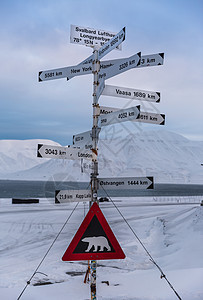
{"x":96,"y":242}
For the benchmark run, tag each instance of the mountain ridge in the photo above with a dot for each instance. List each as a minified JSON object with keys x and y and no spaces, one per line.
{"x":167,"y":156}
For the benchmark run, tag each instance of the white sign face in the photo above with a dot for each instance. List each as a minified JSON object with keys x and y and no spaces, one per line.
{"x":83,"y":140}
{"x":105,"y":110}
{"x":82,"y":137}
{"x":86,"y":167}
{"x":152,"y":60}
{"x":68,"y":72}
{"x":120,"y":66}
{"x":145,"y":61}
{"x":67,"y":196}
{"x":126,"y":183}
{"x":116,"y":91}
{"x":73,"y":153}
{"x":152,"y":118}
{"x":112,"y":44}
{"x":100,"y":88}
{"x":122,"y":115}
{"x":90,"y":37}
{"x":144,"y":117}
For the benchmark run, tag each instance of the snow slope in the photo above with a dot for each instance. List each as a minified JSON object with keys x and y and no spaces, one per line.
{"x":18,"y":155}
{"x":168,"y":157}
{"x":172,"y":235}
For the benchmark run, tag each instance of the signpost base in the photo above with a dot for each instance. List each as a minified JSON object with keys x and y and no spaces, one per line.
{"x":93,"y":280}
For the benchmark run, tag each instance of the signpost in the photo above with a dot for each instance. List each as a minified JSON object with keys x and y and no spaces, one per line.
{"x":65,"y":72}
{"x":84,"y":139}
{"x":90,"y":37}
{"x":122,"y":115}
{"x":150,"y":60}
{"x":100,"y":88}
{"x":66,"y":196}
{"x":127,"y":183}
{"x":49,"y":151}
{"x":120,"y":66}
{"x":104,"y":110}
{"x":94,"y":239}
{"x":112,"y":44}
{"x":152,"y":118}
{"x":144,"y":117}
{"x":129,"y":93}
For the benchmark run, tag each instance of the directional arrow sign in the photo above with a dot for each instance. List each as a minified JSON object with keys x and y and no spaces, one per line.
{"x":100,"y":88}
{"x":149,"y":60}
{"x":84,"y":139}
{"x":152,"y":60}
{"x":66,"y":196}
{"x":80,"y":138}
{"x":120,"y":66}
{"x":126,"y":183}
{"x":90,"y":36}
{"x":121,"y":115}
{"x":145,"y":61}
{"x":144,"y":117}
{"x":147,"y":117}
{"x":104,"y":110}
{"x":123,"y":92}
{"x":106,"y":67}
{"x":112,"y":44}
{"x":65,"y":72}
{"x":49,"y":151}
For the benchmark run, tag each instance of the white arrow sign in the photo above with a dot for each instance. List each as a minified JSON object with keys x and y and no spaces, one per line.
{"x":73,"y":153}
{"x":145,"y":61}
{"x":100,"y":88}
{"x":105,"y":110}
{"x":126,"y":183}
{"x":85,"y":67}
{"x":122,"y":115}
{"x":144,"y":117}
{"x":68,"y":72}
{"x":152,"y":118}
{"x":112,"y":44}
{"x":152,"y":60}
{"x":66,"y":196}
{"x":120,"y":66}
{"x":90,"y":36}
{"x":123,"y":92}
{"x":84,"y":139}
{"x":149,"y":60}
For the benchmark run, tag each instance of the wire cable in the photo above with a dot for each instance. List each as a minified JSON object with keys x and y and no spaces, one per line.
{"x":28,"y":282}
{"x":143,"y":246}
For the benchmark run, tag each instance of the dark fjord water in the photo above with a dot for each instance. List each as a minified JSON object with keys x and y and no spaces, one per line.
{"x":46,"y":189}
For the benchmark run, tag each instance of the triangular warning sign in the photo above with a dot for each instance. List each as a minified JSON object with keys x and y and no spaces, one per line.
{"x":94,"y":239}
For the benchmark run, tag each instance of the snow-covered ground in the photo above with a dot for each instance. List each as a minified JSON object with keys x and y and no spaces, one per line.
{"x":173,"y":234}
{"x":167,"y":156}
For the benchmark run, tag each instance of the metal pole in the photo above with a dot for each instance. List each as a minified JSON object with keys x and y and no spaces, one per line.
{"x":94,"y":174}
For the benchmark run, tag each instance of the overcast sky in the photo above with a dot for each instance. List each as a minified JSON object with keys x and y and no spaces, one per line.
{"x":35,"y":36}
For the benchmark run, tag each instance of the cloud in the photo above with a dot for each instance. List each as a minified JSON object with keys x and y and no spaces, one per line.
{"x":35,"y":37}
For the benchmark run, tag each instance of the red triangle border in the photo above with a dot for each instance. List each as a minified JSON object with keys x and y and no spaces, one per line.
{"x":70,"y":256}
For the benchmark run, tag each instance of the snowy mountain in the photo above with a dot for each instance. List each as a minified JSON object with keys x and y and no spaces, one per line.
{"x":168,"y":157}
{"x":18,"y":155}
